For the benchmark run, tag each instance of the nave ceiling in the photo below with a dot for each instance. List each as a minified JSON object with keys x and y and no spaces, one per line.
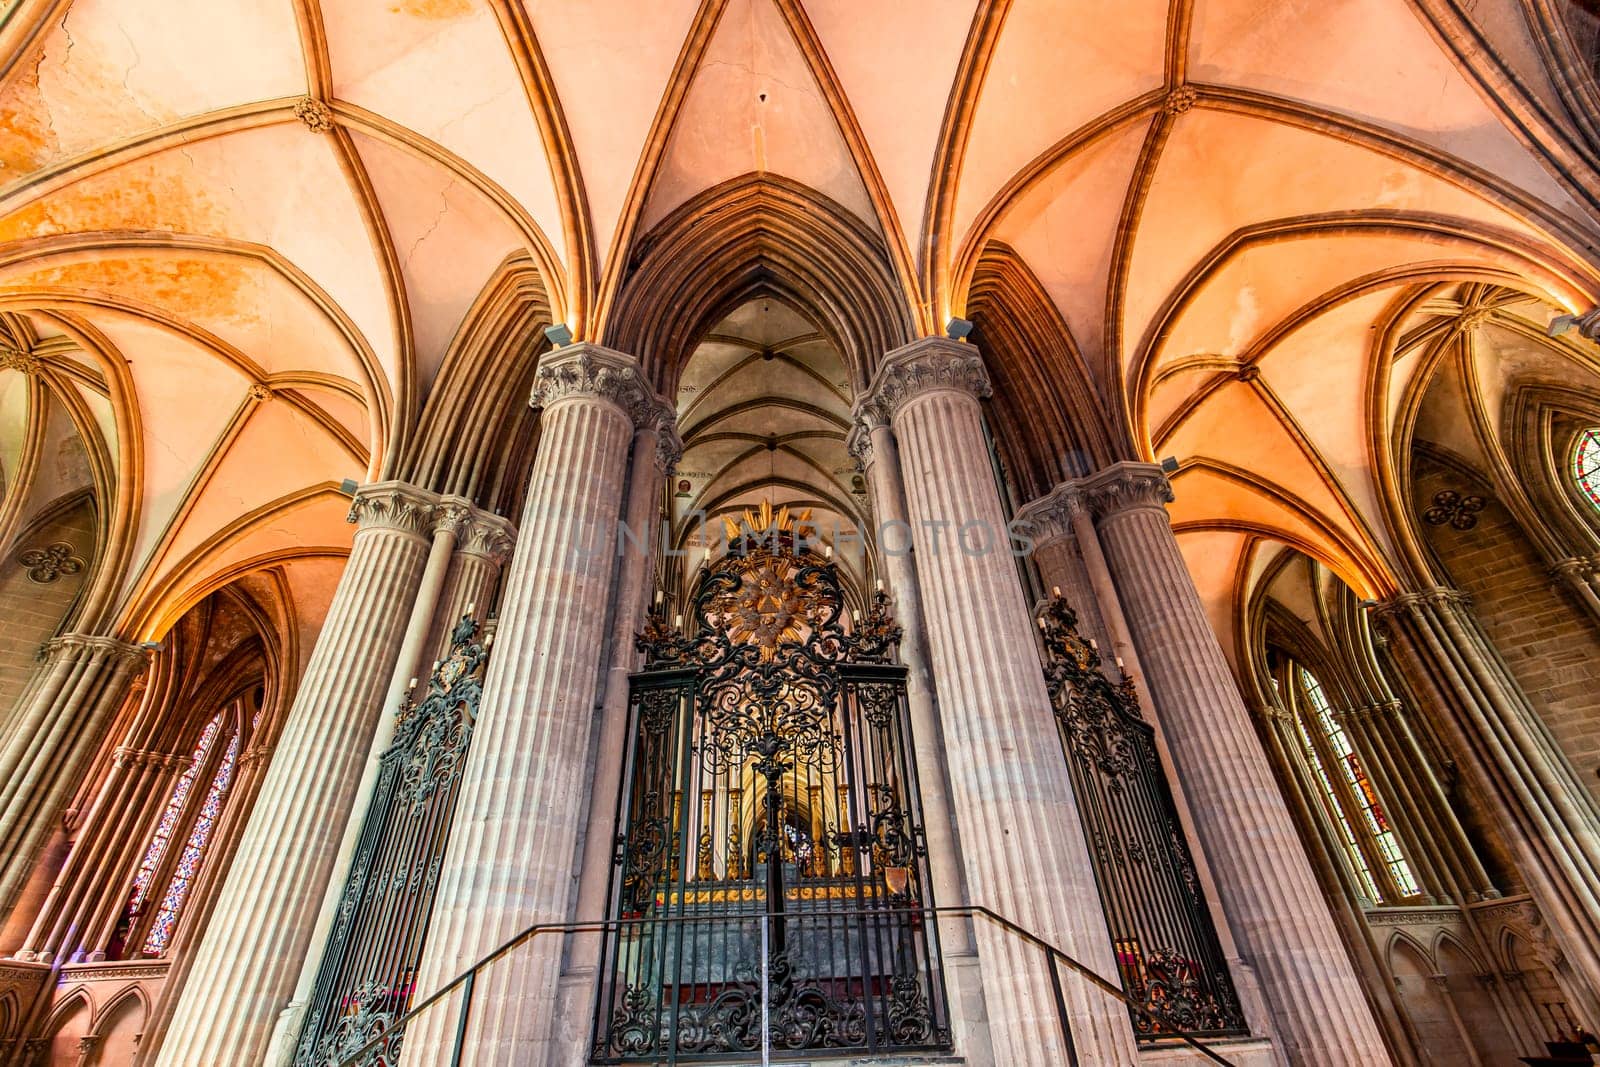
{"x":270,"y":240}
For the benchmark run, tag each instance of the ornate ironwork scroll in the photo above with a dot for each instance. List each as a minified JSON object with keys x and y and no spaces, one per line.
{"x":1161,"y":932}
{"x":769,"y":829}
{"x":367,"y":974}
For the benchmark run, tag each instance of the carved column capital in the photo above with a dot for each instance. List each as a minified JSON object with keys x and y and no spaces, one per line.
{"x":589,"y":371}
{"x":1415,"y":603}
{"x":1051,"y":515}
{"x":79,"y":646}
{"x":1126,"y":486}
{"x":933,"y":363}
{"x":489,"y":535}
{"x":394,"y":505}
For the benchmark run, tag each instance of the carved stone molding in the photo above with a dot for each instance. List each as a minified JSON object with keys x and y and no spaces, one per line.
{"x":260,"y":392}
{"x":1437,"y":598}
{"x":86,"y":645}
{"x":1124,"y":486}
{"x":452,"y":514}
{"x":1179,"y":100}
{"x":124,"y":756}
{"x":18,"y":360}
{"x":1414,"y":917}
{"x":933,"y":363}
{"x":394,"y":505}
{"x":669,"y":446}
{"x":591,"y":371}
{"x":47,"y":563}
{"x":317,"y":116}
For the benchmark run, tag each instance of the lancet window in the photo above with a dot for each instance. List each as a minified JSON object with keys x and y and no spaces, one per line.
{"x":164,"y":877}
{"x":1350,"y":799}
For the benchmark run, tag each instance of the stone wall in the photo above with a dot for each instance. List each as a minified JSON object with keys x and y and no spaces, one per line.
{"x":33,"y":600}
{"x":1550,"y":646}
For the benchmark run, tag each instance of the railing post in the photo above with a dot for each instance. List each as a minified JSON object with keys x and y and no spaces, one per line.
{"x":766,"y":975}
{"x":461,"y":1022}
{"x":1061,"y":1008}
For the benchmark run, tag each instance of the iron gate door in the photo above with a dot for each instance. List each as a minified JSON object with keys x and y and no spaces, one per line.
{"x":770,"y":872}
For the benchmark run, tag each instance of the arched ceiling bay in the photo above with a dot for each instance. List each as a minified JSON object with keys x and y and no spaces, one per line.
{"x":265,"y":225}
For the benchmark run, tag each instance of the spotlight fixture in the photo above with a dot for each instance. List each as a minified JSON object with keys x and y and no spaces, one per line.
{"x":1169,"y":465}
{"x":559,"y":335}
{"x":348,"y":487}
{"x":957,"y":329}
{"x":1561,"y":324}
{"x":150,"y":645}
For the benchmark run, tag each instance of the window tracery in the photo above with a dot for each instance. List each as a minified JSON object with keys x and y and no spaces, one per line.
{"x":1586,"y":465}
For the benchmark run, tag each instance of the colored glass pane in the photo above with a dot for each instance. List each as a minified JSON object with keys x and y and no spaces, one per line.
{"x":193,"y":851}
{"x":1361,"y":787}
{"x":1586,"y":465}
{"x":170,"y":814}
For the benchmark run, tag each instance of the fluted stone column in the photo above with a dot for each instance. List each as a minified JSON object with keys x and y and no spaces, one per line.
{"x":452,"y":521}
{"x":1509,"y":758}
{"x":246,"y":963}
{"x":481,"y":552}
{"x":656,"y":450}
{"x":1268,"y":890}
{"x":871,"y":442}
{"x":1022,"y":838}
{"x":82,"y":683}
{"x":512,"y":860}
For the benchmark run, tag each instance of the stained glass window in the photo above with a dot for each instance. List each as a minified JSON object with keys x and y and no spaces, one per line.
{"x":1366,"y":797}
{"x":1586,"y":465}
{"x":193,"y":850}
{"x":170,"y":815}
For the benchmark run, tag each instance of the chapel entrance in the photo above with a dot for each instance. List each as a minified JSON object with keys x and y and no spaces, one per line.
{"x":770,"y":878}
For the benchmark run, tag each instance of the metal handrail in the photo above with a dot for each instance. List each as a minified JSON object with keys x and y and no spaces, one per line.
{"x":467,"y":979}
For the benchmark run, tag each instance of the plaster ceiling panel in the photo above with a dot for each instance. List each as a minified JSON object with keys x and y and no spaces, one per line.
{"x":1291,"y":587}
{"x":279,"y":452}
{"x":1320,"y":374}
{"x":110,"y":71}
{"x":347,"y":411}
{"x":1058,"y":65}
{"x":1212,"y":557}
{"x":443,"y":68}
{"x":1371,"y":59}
{"x":242,"y":302}
{"x":1223,"y":172}
{"x":1504,"y":358}
{"x":307,"y":526}
{"x":14,"y":403}
{"x":449,"y":241}
{"x":187,"y":397}
{"x":280,"y":187}
{"x":63,"y":463}
{"x":765,"y":321}
{"x":1261,"y":558}
{"x":754,"y":106}
{"x":899,"y":93}
{"x":1169,"y":392}
{"x":1262,"y":287}
{"x":1206,"y":498}
{"x":611,"y":61}
{"x":1236,"y":427}
{"x":1444,"y":417}
{"x":1064,"y":226}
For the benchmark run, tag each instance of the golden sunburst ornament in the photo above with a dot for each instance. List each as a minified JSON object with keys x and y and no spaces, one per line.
{"x":763,"y":522}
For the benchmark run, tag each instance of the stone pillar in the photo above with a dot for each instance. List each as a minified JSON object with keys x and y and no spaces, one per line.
{"x":481,"y":551}
{"x":452,"y":520}
{"x":83,"y":682}
{"x":1022,"y":838}
{"x":512,"y":858}
{"x":1267,"y":888}
{"x":655,"y":453}
{"x":1509,"y":758}
{"x":871,"y":441}
{"x":244,"y":968}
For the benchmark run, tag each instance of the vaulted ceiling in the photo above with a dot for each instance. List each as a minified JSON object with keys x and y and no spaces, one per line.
{"x":262,"y":228}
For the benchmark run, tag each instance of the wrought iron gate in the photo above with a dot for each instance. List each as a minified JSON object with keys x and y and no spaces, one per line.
{"x":770,"y":869}
{"x":1165,"y":944}
{"x":367,"y":974}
